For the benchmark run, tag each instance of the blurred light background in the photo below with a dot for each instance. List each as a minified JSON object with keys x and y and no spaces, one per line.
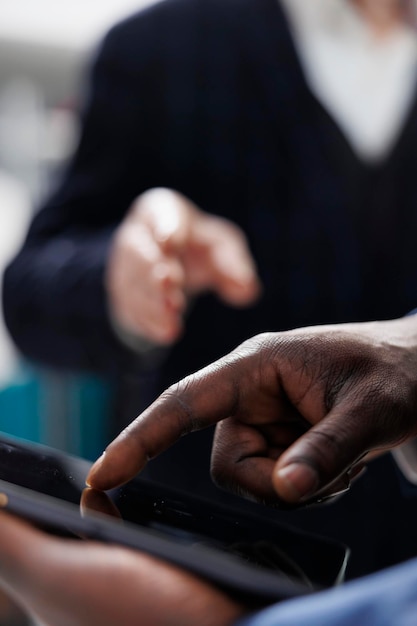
{"x":44,"y":48}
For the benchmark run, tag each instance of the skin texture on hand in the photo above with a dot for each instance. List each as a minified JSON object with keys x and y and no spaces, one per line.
{"x":69,"y":582}
{"x":167,"y":250}
{"x":296,"y":411}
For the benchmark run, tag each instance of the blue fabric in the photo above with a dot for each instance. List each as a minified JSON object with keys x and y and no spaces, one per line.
{"x":388,"y":598}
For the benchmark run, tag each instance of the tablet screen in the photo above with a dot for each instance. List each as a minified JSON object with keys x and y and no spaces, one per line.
{"x":313,"y":561}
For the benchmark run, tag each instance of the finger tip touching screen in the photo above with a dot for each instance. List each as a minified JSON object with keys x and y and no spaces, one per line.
{"x":240,"y":551}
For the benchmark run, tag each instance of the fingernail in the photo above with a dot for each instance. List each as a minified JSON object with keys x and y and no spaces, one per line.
{"x":297,"y":481}
{"x":94,"y":468}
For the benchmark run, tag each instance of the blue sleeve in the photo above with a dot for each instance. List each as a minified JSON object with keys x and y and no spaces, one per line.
{"x":383,"y":599}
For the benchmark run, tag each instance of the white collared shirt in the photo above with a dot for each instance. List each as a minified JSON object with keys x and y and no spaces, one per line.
{"x":365,"y":82}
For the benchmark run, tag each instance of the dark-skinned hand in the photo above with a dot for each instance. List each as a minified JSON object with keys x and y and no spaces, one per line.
{"x":298,"y":412}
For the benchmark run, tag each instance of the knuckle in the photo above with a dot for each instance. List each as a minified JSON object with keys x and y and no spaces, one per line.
{"x":175,"y":399}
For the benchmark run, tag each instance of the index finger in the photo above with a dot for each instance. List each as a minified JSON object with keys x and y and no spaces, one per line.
{"x":196,"y":402}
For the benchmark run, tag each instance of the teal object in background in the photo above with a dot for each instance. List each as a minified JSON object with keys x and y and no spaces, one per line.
{"x":19,"y":407}
{"x":65,"y":411}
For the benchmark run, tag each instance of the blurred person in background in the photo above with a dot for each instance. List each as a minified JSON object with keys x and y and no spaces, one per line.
{"x":243,"y":166}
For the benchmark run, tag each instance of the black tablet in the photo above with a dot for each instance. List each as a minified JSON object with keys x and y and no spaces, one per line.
{"x":242,"y":552}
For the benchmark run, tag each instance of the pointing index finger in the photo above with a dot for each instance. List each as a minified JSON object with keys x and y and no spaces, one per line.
{"x":196,"y":402}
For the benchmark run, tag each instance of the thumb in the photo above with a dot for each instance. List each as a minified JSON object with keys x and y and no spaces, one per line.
{"x":323,"y":454}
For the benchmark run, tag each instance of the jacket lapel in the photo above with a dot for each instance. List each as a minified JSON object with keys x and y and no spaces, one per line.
{"x":265,"y":41}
